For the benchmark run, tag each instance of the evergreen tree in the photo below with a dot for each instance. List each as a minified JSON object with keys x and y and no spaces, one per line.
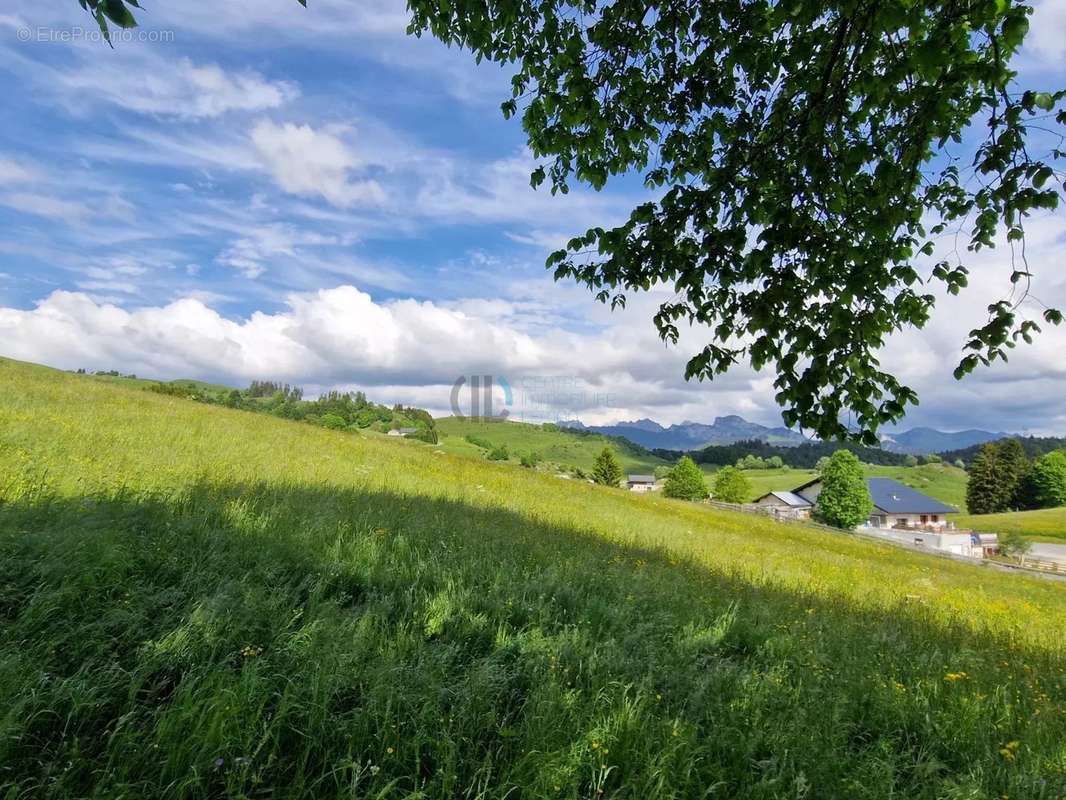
{"x":983,"y":490}
{"x":1014,"y":465}
{"x":607,"y":471}
{"x":686,"y":481}
{"x":730,"y":486}
{"x":844,"y":500}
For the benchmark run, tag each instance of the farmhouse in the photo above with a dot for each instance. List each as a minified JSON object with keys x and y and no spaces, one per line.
{"x":786,"y":504}
{"x":641,"y":483}
{"x":896,"y":506}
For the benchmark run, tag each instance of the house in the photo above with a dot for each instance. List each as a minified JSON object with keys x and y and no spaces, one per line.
{"x":402,"y":431}
{"x":786,"y":504}
{"x":641,"y":483}
{"x":900,"y":514}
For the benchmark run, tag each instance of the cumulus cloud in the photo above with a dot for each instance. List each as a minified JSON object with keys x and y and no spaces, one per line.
{"x":412,"y":351}
{"x":343,"y":337}
{"x":310,"y":162}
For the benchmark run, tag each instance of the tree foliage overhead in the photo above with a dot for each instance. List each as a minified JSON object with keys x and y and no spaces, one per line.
{"x":803,"y":155}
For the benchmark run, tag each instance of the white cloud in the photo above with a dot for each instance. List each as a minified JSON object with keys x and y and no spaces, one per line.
{"x":307,"y":162}
{"x":411,"y":351}
{"x":151,"y":85}
{"x":12,"y":172}
{"x":43,"y":205}
{"x":1046,"y":42}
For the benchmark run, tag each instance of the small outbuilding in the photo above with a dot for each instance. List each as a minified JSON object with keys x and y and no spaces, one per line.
{"x":641,"y":483}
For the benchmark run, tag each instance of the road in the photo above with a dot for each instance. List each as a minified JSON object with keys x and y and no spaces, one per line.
{"x":1043,"y":551}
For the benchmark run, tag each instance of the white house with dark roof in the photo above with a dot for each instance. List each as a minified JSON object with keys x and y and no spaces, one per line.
{"x":900,"y":514}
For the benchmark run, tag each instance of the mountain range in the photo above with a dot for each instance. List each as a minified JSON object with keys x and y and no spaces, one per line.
{"x":727,"y":430}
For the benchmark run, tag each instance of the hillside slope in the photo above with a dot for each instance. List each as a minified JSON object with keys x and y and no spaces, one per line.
{"x":560,"y":446}
{"x":198,"y":602}
{"x":1045,"y":524}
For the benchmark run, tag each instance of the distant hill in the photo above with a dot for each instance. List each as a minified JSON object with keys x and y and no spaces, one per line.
{"x":930,"y":440}
{"x":732,"y":429}
{"x":693,"y":435}
{"x":1034,"y":446}
{"x":561,"y":446}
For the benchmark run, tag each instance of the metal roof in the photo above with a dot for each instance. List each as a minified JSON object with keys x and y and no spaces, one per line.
{"x":792,"y":499}
{"x":640,"y":479}
{"x":893,"y":497}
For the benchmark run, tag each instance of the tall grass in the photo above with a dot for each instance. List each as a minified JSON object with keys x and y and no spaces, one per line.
{"x":197,"y":602}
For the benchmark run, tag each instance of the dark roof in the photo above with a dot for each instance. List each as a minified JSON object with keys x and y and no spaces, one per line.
{"x":893,"y":497}
{"x":640,"y":479}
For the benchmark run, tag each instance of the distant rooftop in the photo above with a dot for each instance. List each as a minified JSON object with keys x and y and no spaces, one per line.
{"x":640,"y":479}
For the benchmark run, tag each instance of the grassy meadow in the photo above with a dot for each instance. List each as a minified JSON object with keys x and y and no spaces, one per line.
{"x":201,"y":602}
{"x":1046,"y":524}
{"x":560,"y":447}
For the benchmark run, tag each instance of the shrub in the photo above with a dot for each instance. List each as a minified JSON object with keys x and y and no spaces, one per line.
{"x":530,"y":460}
{"x":607,"y":471}
{"x":479,"y":441}
{"x":910,"y":461}
{"x":686,"y":481}
{"x":499,"y":453}
{"x":427,"y":435}
{"x":844,"y":500}
{"x":334,"y":422}
{"x":730,"y":486}
{"x":1015,"y":545}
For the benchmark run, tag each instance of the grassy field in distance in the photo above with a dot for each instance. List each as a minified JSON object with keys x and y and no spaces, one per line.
{"x":1046,"y":524}
{"x":204,"y":602}
{"x":560,"y":447}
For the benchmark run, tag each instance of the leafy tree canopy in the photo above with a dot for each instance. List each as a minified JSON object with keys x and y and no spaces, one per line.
{"x":686,"y":481}
{"x":1049,"y":479}
{"x":802,"y":156}
{"x":844,"y":500}
{"x":731,"y":486}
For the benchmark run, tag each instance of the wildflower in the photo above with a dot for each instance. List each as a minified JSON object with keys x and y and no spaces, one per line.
{"x":1009,"y":751}
{"x":951,"y":677}
{"x":389,"y":750}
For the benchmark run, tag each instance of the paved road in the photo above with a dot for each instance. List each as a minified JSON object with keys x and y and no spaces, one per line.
{"x":1049,"y":552}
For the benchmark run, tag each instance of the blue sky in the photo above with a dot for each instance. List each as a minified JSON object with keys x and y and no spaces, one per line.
{"x":250,"y":189}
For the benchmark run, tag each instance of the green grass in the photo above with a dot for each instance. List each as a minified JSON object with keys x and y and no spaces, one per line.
{"x":1047,"y":524}
{"x":199,"y":602}
{"x":559,"y":447}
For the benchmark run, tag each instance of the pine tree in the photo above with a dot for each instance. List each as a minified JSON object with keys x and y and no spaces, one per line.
{"x":844,"y":500}
{"x":1015,"y":465}
{"x":606,"y":470}
{"x":983,"y":490}
{"x":686,"y":481}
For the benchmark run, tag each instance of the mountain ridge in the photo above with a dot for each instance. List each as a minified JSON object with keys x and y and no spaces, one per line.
{"x":732,"y":428}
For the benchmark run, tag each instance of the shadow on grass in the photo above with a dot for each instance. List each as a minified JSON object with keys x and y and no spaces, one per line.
{"x":297,"y":641}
